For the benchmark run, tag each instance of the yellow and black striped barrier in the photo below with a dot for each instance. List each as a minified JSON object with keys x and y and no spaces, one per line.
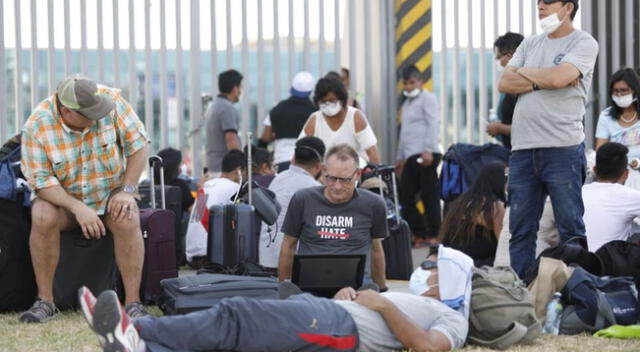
{"x":413,"y":39}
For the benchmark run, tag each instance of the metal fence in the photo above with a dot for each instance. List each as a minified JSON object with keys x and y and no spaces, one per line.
{"x":165,"y":54}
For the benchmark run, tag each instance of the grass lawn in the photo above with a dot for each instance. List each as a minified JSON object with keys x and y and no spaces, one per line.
{"x":69,"y":332}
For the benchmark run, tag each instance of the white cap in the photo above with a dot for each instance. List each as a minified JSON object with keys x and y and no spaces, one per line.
{"x":303,"y":82}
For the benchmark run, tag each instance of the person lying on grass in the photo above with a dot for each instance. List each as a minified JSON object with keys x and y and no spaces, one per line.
{"x":353,"y":321}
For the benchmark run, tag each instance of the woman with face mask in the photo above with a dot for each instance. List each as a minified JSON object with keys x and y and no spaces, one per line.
{"x":619,"y":121}
{"x":336,"y":123}
{"x":474,"y":222}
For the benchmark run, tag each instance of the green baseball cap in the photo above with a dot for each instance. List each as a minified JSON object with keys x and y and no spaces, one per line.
{"x":81,"y":95}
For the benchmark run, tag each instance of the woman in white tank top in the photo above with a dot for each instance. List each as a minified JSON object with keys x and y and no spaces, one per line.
{"x":336,"y":123}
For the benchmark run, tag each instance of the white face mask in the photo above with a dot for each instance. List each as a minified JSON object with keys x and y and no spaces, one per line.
{"x":412,"y":94}
{"x":330,"y":109}
{"x":418,"y":281}
{"x":499,"y":68}
{"x":624,"y":101}
{"x":550,"y":23}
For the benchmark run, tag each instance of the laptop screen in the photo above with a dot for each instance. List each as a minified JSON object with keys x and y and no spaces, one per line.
{"x":325,"y":274}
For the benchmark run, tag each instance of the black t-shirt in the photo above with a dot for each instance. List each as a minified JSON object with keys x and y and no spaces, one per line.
{"x":290,"y":115}
{"x":482,"y":249}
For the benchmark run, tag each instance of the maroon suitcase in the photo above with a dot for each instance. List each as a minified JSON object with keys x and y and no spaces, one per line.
{"x":158,"y":232}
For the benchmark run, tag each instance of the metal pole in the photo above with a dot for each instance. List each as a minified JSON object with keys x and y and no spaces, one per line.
{"x":133,"y":94}
{"x":51,"y":49}
{"x":276,"y":53}
{"x":245,"y":70}
{"x":34,"y":55}
{"x":261,"y":70}
{"x":179,"y":83}
{"x":214,"y":50}
{"x":444,"y":91}
{"x":83,"y":37}
{"x":321,"y":40}
{"x":456,"y":70}
{"x":307,"y":44}
{"x":336,"y":41}
{"x":164,"y":115}
{"x":18,"y":71}
{"x":116,"y":45}
{"x":229,"y":44}
{"x":469,"y":79}
{"x":99,"y":29}
{"x":291,"y":50}
{"x":67,"y":40}
{"x":482,"y":71}
{"x":148,"y":76}
{"x":195,"y":109}
{"x":3,"y":89}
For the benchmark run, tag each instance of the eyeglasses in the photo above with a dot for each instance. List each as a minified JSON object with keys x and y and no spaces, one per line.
{"x":342,"y":180}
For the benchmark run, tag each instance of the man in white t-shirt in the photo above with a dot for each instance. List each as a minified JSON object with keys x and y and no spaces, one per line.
{"x":609,"y":206}
{"x":214,"y":192}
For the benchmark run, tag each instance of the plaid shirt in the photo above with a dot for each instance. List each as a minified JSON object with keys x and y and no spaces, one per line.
{"x":88,"y":164}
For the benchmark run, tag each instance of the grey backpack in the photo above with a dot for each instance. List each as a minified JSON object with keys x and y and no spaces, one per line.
{"x":501,"y":313}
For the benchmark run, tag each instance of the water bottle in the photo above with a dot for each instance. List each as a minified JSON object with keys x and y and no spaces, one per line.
{"x":554,"y":313}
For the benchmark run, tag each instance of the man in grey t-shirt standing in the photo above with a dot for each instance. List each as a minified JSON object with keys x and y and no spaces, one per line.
{"x":222,"y":121}
{"x":336,"y":218}
{"x":551,"y":73}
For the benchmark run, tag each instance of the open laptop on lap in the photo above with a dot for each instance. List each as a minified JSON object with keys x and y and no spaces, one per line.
{"x":325,"y":274}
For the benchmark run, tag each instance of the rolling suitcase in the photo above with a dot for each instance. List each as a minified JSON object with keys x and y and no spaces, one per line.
{"x":173,"y":199}
{"x":232,"y":234}
{"x":158,"y":232}
{"x":397,"y":246}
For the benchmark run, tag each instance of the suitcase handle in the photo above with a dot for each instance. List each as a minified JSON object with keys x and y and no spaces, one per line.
{"x":249,"y":165}
{"x":155,"y":159}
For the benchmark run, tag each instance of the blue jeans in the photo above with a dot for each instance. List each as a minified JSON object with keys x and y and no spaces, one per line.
{"x":300,"y":323}
{"x":534,"y":174}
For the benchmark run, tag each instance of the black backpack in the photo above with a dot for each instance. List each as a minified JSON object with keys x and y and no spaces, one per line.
{"x":572,"y":251}
{"x":621,"y":258}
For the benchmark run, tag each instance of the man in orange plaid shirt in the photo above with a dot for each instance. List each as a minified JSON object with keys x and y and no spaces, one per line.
{"x":83,"y":150}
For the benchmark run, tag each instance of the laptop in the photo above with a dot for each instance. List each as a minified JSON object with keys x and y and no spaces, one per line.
{"x":325,"y":274}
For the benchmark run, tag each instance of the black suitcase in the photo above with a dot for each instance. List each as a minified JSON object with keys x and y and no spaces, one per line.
{"x":397,"y":246}
{"x":232,"y":234}
{"x":232,"y":229}
{"x":18,"y":289}
{"x":191,"y":293}
{"x":83,"y":262}
{"x":397,"y":251}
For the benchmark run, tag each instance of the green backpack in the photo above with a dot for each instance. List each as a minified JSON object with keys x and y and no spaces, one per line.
{"x":501,"y":313}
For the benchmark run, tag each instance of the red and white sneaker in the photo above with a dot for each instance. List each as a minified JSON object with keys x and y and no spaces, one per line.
{"x":113,"y":326}
{"x":87,"y":302}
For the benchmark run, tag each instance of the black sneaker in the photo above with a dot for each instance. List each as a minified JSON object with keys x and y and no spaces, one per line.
{"x":40,"y":312}
{"x":135,"y":310}
{"x":113,"y":326}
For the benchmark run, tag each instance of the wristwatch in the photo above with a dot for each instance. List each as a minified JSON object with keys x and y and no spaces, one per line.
{"x":131,"y":189}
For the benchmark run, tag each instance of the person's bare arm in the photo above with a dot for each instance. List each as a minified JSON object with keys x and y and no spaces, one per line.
{"x":498,"y":129}
{"x":600,"y":142}
{"x":121,"y":204}
{"x":231,"y":140}
{"x":498,"y":216}
{"x":408,"y":333}
{"x":360,"y":124}
{"x":553,"y":77}
{"x":87,"y":218}
{"x":285,"y":261}
{"x":514,"y":83}
{"x":378,"y":269}
{"x":374,"y":156}
{"x":310,"y":126}
{"x":267,"y":135}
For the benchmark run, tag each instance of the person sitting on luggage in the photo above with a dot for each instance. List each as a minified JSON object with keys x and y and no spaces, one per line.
{"x":609,"y":205}
{"x":303,"y":172}
{"x":474,"y":221}
{"x":262,"y":170}
{"x":172,"y":160}
{"x":219,"y":190}
{"x":336,"y":219}
{"x":83,"y":150}
{"x":353,"y":321}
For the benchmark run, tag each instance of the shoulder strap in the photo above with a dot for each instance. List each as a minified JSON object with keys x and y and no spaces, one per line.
{"x":515,"y":333}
